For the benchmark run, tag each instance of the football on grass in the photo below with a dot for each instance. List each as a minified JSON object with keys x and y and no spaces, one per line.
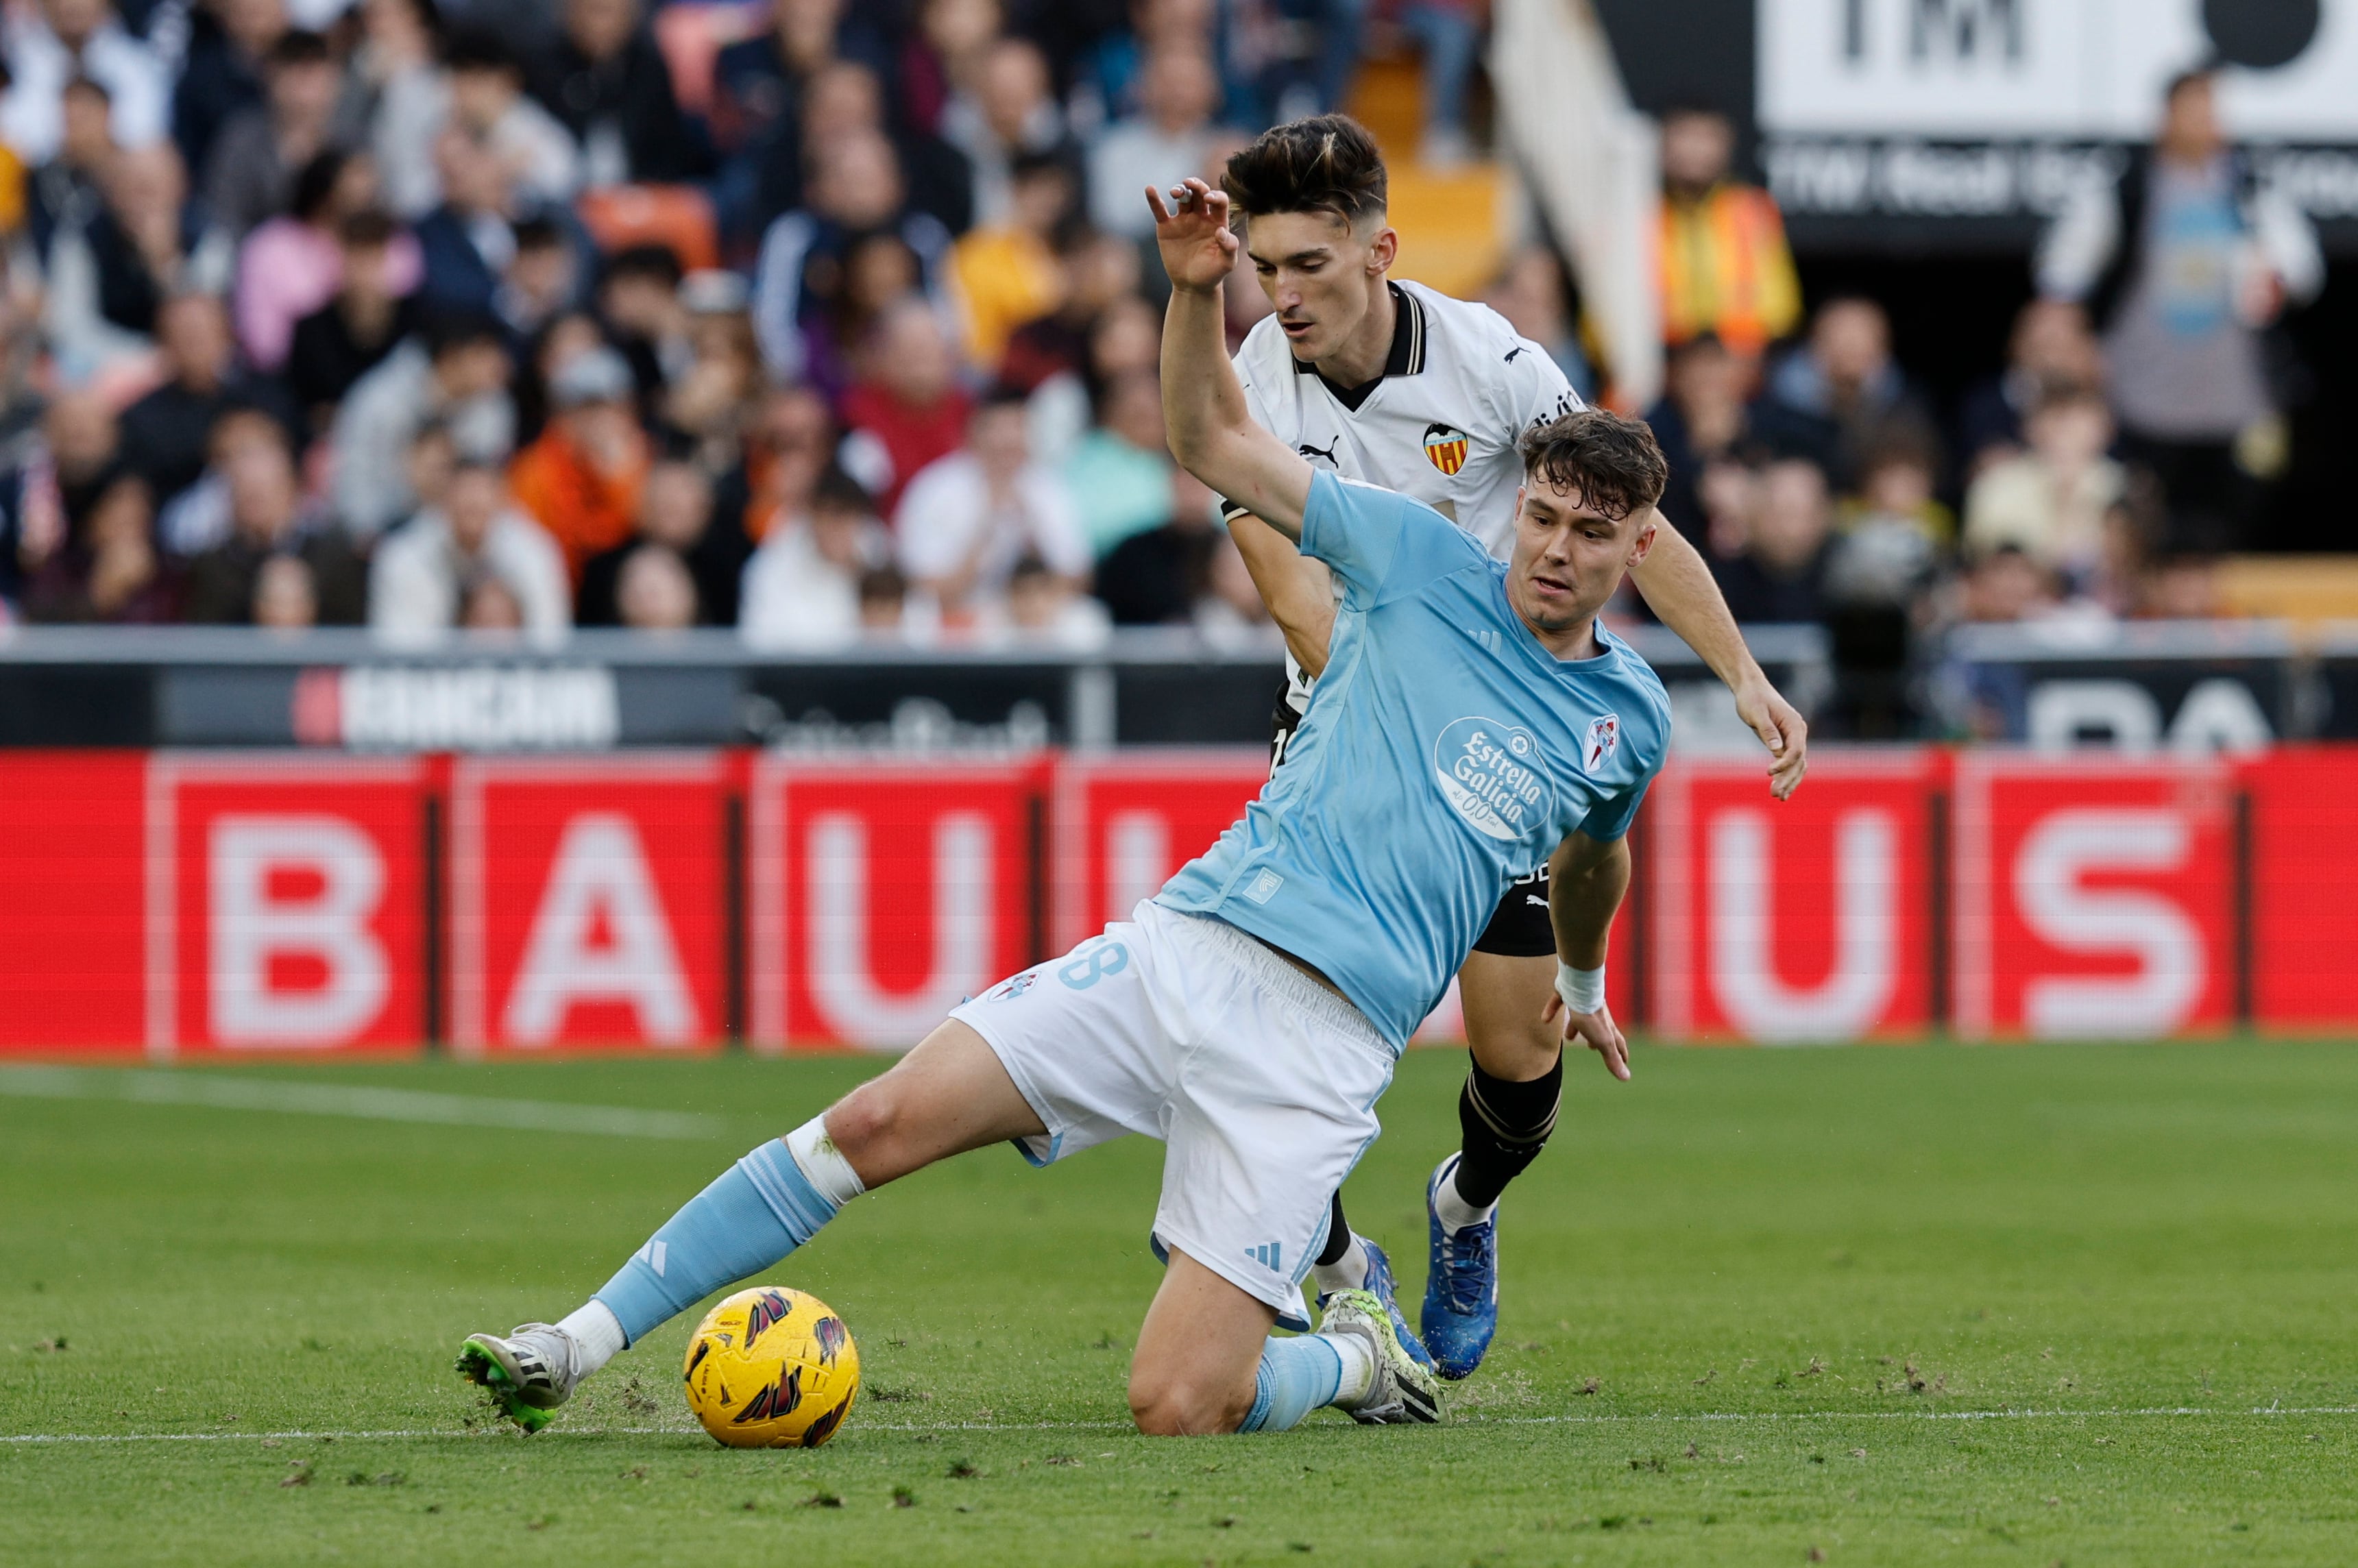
{"x":772,"y":1367}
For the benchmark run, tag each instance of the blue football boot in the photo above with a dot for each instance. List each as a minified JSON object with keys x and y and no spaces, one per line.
{"x":1461,"y":1286}
{"x":1380,"y":1284}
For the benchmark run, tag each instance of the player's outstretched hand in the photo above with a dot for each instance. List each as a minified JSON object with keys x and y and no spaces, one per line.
{"x":1596,"y":1031}
{"x":1192,"y":228}
{"x":1782,"y":730}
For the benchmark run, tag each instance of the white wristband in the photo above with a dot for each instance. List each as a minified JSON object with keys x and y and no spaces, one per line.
{"x":1582,"y":990}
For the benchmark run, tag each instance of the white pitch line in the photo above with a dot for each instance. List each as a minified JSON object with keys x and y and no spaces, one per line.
{"x":61,"y":1438}
{"x":147,"y":1087}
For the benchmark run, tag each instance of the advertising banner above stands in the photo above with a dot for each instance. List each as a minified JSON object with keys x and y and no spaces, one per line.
{"x":1916,"y":123}
{"x":180,"y":905}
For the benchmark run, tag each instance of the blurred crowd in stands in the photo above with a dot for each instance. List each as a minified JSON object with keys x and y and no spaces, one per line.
{"x":838,"y":323}
{"x":2101,"y":474}
{"x":822,"y":322}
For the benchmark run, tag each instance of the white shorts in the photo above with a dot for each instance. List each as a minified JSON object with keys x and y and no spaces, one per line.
{"x":1261,"y":1083}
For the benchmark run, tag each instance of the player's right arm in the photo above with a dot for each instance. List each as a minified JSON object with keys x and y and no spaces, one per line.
{"x":1586,"y":879}
{"x":1210,"y":428}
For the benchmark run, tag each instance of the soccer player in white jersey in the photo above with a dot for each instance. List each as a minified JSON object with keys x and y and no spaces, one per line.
{"x":1472,"y":721}
{"x":1405,"y":388}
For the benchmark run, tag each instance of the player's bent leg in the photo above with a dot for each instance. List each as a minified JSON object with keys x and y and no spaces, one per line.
{"x":1505,"y":1113}
{"x":1206,"y":1362}
{"x":949,"y":1095}
{"x":1197,"y":1354}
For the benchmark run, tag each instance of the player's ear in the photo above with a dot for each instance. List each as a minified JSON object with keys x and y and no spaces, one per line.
{"x":1643,"y":545}
{"x":1383,"y":250}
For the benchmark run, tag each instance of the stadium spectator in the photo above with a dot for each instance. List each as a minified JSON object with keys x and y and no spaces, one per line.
{"x":802,"y":588}
{"x":1007,"y":274}
{"x":1898,"y":475}
{"x":249,"y":174}
{"x":1043,"y":608}
{"x":712,"y":398}
{"x":293,"y":264}
{"x":2050,"y":350}
{"x":469,"y":241}
{"x":1008,"y":111}
{"x":1843,"y":379}
{"x":64,"y":191}
{"x":398,"y":97}
{"x":1100,"y":270}
{"x":1701,"y":418}
{"x":907,"y":409}
{"x":543,"y":281}
{"x":638,"y":304}
{"x":581,"y":478}
{"x":2179,"y":585}
{"x":967,"y":519}
{"x":285,"y":595}
{"x":537,"y":155}
{"x":1779,"y":573}
{"x":885,"y":609}
{"x":51,"y":45}
{"x":373,"y":308}
{"x":110,"y":274}
{"x":2052,"y":502}
{"x":165,"y":433}
{"x":1119,"y":473}
{"x":653,"y":591}
{"x":221,"y":75}
{"x":759,"y":84}
{"x":789,"y":442}
{"x":606,"y":82}
{"x":1530,"y":292}
{"x":424,"y":573}
{"x":454,"y":374}
{"x":266,"y":517}
{"x":840,"y":98}
{"x":1725,"y":266}
{"x":1169,"y":140}
{"x":2184,"y":262}
{"x":109,"y":569}
{"x":804,"y":274}
{"x":675,"y":514}
{"x":1159,"y":576}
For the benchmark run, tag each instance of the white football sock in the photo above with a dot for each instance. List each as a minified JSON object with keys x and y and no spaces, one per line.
{"x":597,"y":1336}
{"x":1359,"y":1360}
{"x":1347,"y":1272}
{"x":823,"y":1163}
{"x":1456,"y":1213}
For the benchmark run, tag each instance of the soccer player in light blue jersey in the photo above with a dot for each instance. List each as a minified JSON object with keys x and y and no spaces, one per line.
{"x":1472,"y":721}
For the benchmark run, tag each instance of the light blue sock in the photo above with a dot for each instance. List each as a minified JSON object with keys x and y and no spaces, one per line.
{"x":762,"y":1208}
{"x":1294,"y":1378}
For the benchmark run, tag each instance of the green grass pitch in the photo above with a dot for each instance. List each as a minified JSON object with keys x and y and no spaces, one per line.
{"x":1922,"y":1306}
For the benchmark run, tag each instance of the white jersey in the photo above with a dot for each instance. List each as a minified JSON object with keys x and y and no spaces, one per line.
{"x":1459,"y":388}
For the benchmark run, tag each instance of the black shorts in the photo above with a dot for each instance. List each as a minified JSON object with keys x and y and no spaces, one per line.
{"x":1520,"y":927}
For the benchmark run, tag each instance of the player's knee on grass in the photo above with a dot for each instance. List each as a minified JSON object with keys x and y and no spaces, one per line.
{"x":1189,"y":1401}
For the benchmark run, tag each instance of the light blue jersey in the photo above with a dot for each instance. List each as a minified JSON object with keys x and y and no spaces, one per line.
{"x":1444,"y":753}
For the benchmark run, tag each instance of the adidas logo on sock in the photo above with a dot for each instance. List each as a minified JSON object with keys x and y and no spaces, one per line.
{"x":652,"y":1255}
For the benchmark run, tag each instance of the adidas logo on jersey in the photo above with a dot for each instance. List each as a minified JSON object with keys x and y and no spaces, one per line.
{"x":1267,"y":1255}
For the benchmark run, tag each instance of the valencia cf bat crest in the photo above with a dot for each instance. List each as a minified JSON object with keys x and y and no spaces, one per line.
{"x":1444,"y":446}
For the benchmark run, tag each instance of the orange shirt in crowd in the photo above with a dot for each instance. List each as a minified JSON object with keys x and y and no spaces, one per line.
{"x":587,"y":507}
{"x":1727,"y":268}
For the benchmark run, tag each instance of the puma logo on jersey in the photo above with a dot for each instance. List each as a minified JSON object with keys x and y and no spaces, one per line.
{"x":1307,"y":450}
{"x":1513,"y":351}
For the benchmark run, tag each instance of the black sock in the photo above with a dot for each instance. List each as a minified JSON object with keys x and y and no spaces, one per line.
{"x":1338,"y":1236}
{"x":1505,"y":1125}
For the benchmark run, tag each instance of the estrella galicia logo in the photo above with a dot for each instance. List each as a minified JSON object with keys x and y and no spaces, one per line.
{"x":1446,"y":447}
{"x":1489,"y":771}
{"x":1012,"y":987}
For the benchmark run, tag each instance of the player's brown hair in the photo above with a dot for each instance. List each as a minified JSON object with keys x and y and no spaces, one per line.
{"x":1327,"y":162}
{"x":1610,"y":462}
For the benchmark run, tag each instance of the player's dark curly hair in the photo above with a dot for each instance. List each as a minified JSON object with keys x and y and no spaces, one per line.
{"x":1610,"y":462}
{"x":1327,"y":162}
